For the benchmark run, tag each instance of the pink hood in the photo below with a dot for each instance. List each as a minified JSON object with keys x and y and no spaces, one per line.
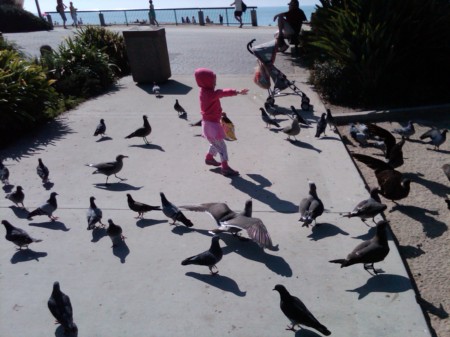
{"x":205,"y":78}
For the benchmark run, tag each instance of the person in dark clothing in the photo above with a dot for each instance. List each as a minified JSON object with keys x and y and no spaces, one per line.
{"x":289,"y":24}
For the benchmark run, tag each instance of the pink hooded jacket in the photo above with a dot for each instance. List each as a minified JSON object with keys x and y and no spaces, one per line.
{"x":210,"y":107}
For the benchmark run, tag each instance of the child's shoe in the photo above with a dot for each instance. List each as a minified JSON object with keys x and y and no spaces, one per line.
{"x":211,"y":161}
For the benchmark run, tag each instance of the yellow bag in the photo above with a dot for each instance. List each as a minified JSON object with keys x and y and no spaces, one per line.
{"x":228,"y":127}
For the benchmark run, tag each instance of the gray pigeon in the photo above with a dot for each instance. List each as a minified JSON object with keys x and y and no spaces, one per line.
{"x":301,"y":120}
{"x":321,"y":125}
{"x":18,"y":236}
{"x":47,"y":208}
{"x":109,"y":168}
{"x":370,"y":251}
{"x":61,"y":308}
{"x":446,"y":169}
{"x":436,"y":137}
{"x":42,"y":171}
{"x":358,"y":135}
{"x":208,"y":258}
{"x":310,"y":207}
{"x":4,"y":173}
{"x":173,"y":212}
{"x":220,"y":211}
{"x":368,"y":208}
{"x":297,"y":312}
{"x":94,"y":215}
{"x":140,"y":207}
{"x":156,"y":90}
{"x":292,"y":130}
{"x":17,"y":196}
{"x":142,"y":132}
{"x":266,"y":119}
{"x":330,"y":121}
{"x":406,"y":131}
{"x":178,"y":108}
{"x":115,"y":233}
{"x":101,"y":128}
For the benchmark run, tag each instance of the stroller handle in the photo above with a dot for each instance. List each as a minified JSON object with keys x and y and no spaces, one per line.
{"x":250,"y":46}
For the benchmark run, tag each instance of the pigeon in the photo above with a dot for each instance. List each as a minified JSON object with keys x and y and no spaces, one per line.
{"x":406,"y":131}
{"x":42,"y":171}
{"x":436,"y":137}
{"x":393,"y":185}
{"x":368,"y":208}
{"x":47,"y":208}
{"x":297,"y":312}
{"x":208,"y":258}
{"x":370,"y":251}
{"x":310,"y":207}
{"x":358,"y":135}
{"x":173,"y":212}
{"x":115,"y":233}
{"x":232,"y":222}
{"x":18,"y":236}
{"x":17,"y":196}
{"x":109,"y":168}
{"x":101,"y":128}
{"x":178,"y":108}
{"x":446,"y":169}
{"x":94,"y":215}
{"x":4,"y":173}
{"x":228,"y":127}
{"x":270,"y":108}
{"x":301,"y":120}
{"x":156,"y":90}
{"x":292,"y":130}
{"x":266,"y":119}
{"x":142,"y":132}
{"x":393,"y":153}
{"x":321,"y":125}
{"x":61,"y":308}
{"x":330,"y":120}
{"x":198,"y":123}
{"x":140,"y":207}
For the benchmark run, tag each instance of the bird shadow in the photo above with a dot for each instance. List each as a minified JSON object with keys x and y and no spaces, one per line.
{"x":251,"y":251}
{"x":432,"y":309}
{"x":149,"y":147}
{"x":59,"y":332}
{"x":304,"y":145}
{"x":385,"y":283}
{"x":221,"y":282}
{"x":103,"y":139}
{"x":25,"y":255}
{"x":435,"y":187}
{"x":48,"y":185}
{"x":53,"y":225}
{"x":303,"y":332}
{"x":330,"y":138}
{"x":142,"y":223}
{"x":411,"y":252}
{"x":324,"y":230}
{"x":170,"y":87}
{"x":181,"y":230}
{"x":121,"y":250}
{"x":257,"y":191}
{"x":439,"y":150}
{"x":19,"y":212}
{"x":117,"y":187}
{"x":431,"y":227}
{"x":8,"y":188}
{"x":97,"y":234}
{"x":369,"y":235}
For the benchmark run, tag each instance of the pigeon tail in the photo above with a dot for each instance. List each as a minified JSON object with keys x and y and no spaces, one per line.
{"x":323,"y":329}
{"x":342,"y":262}
{"x":185,"y":221}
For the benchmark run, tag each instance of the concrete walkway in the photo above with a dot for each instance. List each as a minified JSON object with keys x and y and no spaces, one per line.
{"x":141,"y":289}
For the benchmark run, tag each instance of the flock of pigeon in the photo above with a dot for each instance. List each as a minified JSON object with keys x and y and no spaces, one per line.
{"x":392,"y":186}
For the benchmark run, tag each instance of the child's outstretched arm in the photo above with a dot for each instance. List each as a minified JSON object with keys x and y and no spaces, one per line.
{"x":243,"y":92}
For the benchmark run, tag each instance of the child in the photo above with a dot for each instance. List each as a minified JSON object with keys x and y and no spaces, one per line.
{"x":211,"y":111}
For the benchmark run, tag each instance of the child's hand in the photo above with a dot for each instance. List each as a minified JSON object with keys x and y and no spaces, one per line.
{"x":243,"y":92}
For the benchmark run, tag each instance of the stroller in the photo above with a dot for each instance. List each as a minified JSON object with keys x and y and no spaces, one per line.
{"x":265,"y":54}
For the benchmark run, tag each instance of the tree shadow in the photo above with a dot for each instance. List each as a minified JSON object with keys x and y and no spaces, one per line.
{"x":98,"y":233}
{"x":431,"y":227}
{"x":19,"y":212}
{"x":149,"y":147}
{"x":435,"y":187}
{"x":324,"y":230}
{"x":25,"y":255}
{"x":121,"y":250}
{"x":386,"y":283}
{"x":142,"y":223}
{"x":221,"y":282}
{"x":304,"y":145}
{"x":53,"y":225}
{"x":257,"y":192}
{"x":117,"y":187}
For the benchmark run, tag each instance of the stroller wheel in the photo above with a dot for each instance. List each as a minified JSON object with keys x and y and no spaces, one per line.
{"x":271,"y":101}
{"x":305,"y":106}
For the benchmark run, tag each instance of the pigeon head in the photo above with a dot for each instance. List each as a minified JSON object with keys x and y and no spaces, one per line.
{"x":110,"y":222}
{"x":120,"y":157}
{"x":281,"y":289}
{"x":56,"y":286}
{"x":92,"y":198}
{"x":53,"y":194}
{"x":145,"y":117}
{"x":6,"y":224}
{"x":19,"y":188}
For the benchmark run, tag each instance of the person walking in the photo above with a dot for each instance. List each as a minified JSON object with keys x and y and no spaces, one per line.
{"x":152,"y":14}
{"x":60,"y":6}
{"x":289,"y":24}
{"x":211,"y":111}
{"x":73,"y":14}
{"x":238,"y":11}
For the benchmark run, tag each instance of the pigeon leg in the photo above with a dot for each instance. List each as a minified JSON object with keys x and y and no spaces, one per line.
{"x":368,"y":267}
{"x":121,"y":179}
{"x":53,"y":217}
{"x":291,"y":327}
{"x":211,"y":270}
{"x":106,"y":183}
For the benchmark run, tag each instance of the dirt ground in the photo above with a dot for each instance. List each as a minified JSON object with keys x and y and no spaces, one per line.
{"x":420,"y":221}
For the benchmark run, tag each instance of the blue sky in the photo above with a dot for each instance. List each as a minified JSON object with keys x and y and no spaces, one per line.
{"x":49,"y":5}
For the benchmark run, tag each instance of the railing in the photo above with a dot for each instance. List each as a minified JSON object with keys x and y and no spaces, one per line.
{"x":169,"y":16}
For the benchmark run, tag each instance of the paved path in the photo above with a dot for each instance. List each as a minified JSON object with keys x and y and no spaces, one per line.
{"x":141,"y":289}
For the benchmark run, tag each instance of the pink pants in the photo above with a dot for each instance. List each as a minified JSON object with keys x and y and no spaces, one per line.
{"x":214,"y":133}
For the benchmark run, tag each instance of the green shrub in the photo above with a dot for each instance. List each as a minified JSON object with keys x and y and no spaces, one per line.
{"x":109,"y":42}
{"x":14,"y":19}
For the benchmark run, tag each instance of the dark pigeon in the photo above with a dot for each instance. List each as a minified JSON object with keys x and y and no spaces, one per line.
{"x":17,"y":196}
{"x":42,"y":171}
{"x":296,"y":311}
{"x":406,"y":131}
{"x":394,"y":152}
{"x":173,"y":212}
{"x":295,"y":113}
{"x":330,"y":121}
{"x":208,"y":258}
{"x":180,"y":110}
{"x":437,"y":138}
{"x":46,"y":209}
{"x":109,"y":168}
{"x":140,"y":207}
{"x":266,"y":119}
{"x":368,"y":208}
{"x":18,"y":236}
{"x":61,"y":308}
{"x":94,"y":215}
{"x":321,"y":125}
{"x":115,"y":233}
{"x":370,"y":251}
{"x":4,"y":173}
{"x":101,"y":128}
{"x":293,"y":129}
{"x":310,"y":207}
{"x":142,"y":132}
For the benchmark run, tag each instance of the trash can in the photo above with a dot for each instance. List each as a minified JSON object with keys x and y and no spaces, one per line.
{"x":148,"y":55}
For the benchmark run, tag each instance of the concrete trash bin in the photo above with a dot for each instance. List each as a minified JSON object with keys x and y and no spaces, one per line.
{"x":148,"y":55}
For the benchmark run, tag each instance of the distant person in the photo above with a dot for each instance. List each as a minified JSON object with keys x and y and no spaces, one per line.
{"x":193,"y":20}
{"x":238,"y":11}
{"x":60,"y":9}
{"x":221,"y":19}
{"x":183,"y":20}
{"x":208,"y":20}
{"x":73,"y":14}
{"x":80,"y":21}
{"x":187,"y":20}
{"x":152,"y":15}
{"x":289,"y":24}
